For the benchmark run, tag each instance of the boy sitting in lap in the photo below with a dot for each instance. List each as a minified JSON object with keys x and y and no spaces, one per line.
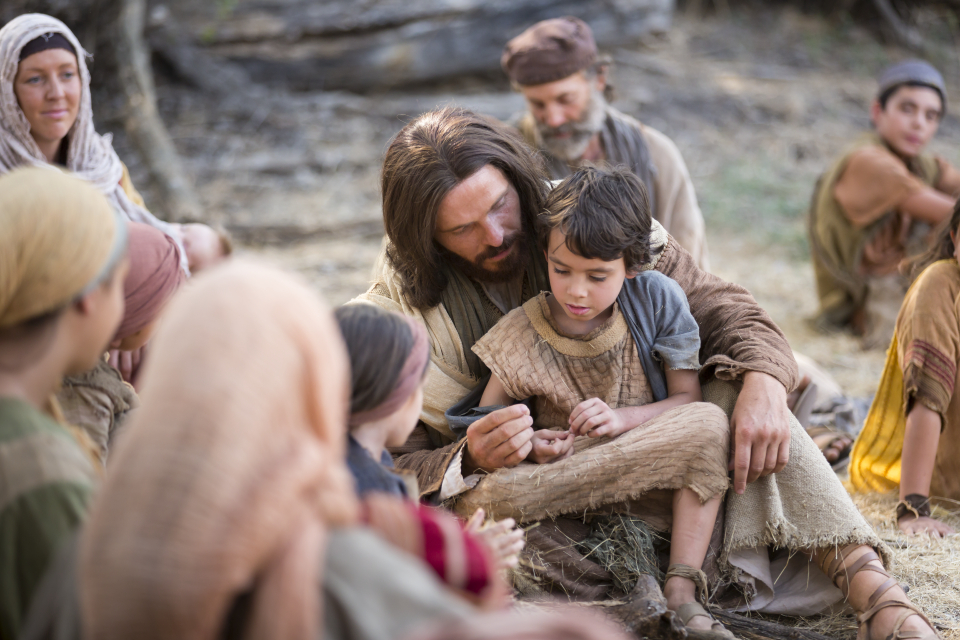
{"x":600,"y":358}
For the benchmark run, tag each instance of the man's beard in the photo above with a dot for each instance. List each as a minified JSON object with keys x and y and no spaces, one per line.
{"x":572,"y":148}
{"x":507,"y":269}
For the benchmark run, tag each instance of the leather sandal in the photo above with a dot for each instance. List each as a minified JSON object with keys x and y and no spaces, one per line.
{"x":690,"y":610}
{"x":825,"y":437}
{"x":834,"y":567}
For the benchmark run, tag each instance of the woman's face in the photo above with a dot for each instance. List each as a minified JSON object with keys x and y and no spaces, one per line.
{"x":48,"y":88}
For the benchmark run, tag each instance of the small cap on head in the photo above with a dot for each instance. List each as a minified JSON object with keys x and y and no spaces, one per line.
{"x":548,"y":51}
{"x":52,"y":40}
{"x":912,"y":72}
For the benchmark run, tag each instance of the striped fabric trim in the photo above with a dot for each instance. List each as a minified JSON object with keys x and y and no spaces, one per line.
{"x":37,"y":460}
{"x":932,"y":363}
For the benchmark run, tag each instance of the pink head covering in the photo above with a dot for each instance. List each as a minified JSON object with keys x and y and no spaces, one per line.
{"x":154,"y":275}
{"x":410,"y":376}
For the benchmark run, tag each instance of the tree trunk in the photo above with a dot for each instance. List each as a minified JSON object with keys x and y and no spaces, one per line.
{"x":141,"y":119}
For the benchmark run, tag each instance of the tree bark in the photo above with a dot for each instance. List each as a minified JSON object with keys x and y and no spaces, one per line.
{"x":142,"y":121}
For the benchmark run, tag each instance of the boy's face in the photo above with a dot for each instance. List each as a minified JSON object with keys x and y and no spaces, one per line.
{"x":585,"y":288}
{"x":909,"y":120}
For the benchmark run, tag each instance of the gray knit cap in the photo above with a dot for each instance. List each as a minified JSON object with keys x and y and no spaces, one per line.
{"x":912,"y":71}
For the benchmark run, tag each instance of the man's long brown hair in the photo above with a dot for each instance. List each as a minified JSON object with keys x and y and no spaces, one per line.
{"x":427,"y":159}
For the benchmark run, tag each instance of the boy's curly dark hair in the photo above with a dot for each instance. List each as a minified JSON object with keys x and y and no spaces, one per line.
{"x":604,"y":213}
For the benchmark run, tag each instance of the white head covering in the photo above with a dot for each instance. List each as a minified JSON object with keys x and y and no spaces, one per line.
{"x":89,"y":155}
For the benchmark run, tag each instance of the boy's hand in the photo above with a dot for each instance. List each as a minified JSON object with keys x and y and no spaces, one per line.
{"x":504,"y":540}
{"x":595,"y":419}
{"x":550,"y":446}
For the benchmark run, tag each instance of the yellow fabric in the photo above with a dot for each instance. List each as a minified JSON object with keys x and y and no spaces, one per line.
{"x":127,"y":185}
{"x":875,"y":461}
{"x":57,"y":235}
{"x":920,"y":367}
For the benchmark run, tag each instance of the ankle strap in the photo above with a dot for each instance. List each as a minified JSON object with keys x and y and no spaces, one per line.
{"x":841,"y":575}
{"x":698,"y":577}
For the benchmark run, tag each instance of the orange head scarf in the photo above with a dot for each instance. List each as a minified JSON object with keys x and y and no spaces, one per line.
{"x":231,"y":471}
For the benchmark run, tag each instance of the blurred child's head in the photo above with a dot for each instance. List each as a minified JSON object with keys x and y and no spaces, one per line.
{"x":389,"y":354}
{"x":595,"y":231}
{"x":204,"y":245}
{"x":910,"y":103}
{"x":154,"y":277}
{"x":63,"y":262}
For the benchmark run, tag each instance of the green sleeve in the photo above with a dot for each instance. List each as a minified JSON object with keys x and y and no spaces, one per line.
{"x":32,"y":527}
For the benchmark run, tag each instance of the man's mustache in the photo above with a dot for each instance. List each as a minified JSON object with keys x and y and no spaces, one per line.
{"x":564,"y":129}
{"x":490,"y":252}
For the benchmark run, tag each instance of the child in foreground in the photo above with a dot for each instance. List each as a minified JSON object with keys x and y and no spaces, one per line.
{"x":62,"y":265}
{"x":389,"y":355}
{"x":583,"y":367}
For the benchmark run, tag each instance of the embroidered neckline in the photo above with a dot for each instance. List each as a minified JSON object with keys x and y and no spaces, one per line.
{"x":597,"y":342}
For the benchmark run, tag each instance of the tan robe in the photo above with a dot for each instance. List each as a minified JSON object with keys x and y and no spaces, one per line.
{"x":99,"y":402}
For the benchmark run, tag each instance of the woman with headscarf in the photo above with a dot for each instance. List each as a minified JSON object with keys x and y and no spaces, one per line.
{"x":99,"y":400}
{"x":62,"y":264}
{"x":46,"y":117}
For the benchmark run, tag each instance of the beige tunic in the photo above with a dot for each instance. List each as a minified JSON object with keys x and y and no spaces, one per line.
{"x":99,"y":402}
{"x":533,"y":358}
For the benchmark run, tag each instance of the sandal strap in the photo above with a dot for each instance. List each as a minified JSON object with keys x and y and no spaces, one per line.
{"x":882,"y":589}
{"x":841,"y":575}
{"x":698,"y":577}
{"x":690,"y":610}
{"x":911,"y":610}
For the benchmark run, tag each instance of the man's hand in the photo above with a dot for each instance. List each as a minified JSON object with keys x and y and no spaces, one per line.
{"x":594,"y":418}
{"x":760,"y":430}
{"x":499,"y":439}
{"x":551,"y":446}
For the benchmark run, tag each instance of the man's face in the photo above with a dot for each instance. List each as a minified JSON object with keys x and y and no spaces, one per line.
{"x":568,"y":112}
{"x":479,"y":226}
{"x":909,"y":120}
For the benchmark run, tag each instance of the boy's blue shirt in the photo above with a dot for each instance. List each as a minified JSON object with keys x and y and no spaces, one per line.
{"x":658,"y":314}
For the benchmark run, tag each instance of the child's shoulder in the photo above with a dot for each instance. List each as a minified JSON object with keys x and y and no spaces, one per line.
{"x":514,"y":326}
{"x":655,"y":286}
